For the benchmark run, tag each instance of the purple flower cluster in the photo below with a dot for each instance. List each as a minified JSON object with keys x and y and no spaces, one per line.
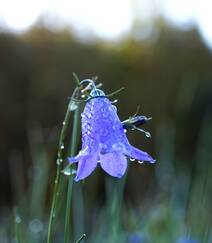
{"x":104,"y":141}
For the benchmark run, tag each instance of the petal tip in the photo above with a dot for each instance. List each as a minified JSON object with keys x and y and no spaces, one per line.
{"x":76,"y":179}
{"x":153,"y":161}
{"x":72,"y":160}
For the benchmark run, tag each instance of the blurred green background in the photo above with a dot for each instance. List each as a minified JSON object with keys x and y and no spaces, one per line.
{"x":168,"y":74}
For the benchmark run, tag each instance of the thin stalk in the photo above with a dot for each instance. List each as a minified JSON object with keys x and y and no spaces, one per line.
{"x":56,"y":192}
{"x":59,"y":167}
{"x":81,"y":238}
{"x":70,"y":179}
{"x":17,"y":220}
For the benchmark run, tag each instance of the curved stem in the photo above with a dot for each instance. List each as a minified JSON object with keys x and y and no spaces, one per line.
{"x":56,"y":191}
{"x":70,"y":179}
{"x":59,"y":167}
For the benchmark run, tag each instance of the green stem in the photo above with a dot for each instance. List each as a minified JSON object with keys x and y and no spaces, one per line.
{"x":59,"y":167}
{"x":70,"y":179}
{"x":56,"y":192}
{"x":17,"y":222}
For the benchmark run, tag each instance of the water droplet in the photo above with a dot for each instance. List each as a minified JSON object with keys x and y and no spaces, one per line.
{"x":82,"y":96}
{"x":140,"y":162}
{"x":132,"y":159}
{"x":115,"y":101}
{"x":148,"y":135}
{"x":114,"y":108}
{"x":67,"y":171}
{"x":103,"y":146}
{"x":18,"y":220}
{"x":62,"y":146}
{"x":59,"y":161}
{"x":87,"y":126}
{"x":152,"y":161}
{"x":73,"y":106}
{"x":103,"y":131}
{"x":36,"y":226}
{"x":64,"y":123}
{"x":116,"y":126}
{"x":125,"y":130}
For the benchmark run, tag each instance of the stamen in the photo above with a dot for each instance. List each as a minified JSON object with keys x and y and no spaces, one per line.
{"x":147,"y":134}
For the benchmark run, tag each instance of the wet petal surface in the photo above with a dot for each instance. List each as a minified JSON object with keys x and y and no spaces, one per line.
{"x":86,"y":166}
{"x":104,"y":139}
{"x":138,"y":154}
{"x":115,"y":164}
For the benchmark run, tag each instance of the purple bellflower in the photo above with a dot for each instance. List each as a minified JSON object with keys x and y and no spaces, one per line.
{"x":104,"y":141}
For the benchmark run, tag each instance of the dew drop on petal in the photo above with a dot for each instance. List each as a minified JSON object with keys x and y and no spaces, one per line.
{"x":132,"y":159}
{"x":89,"y":115}
{"x":125,"y":130}
{"x":140,"y":162}
{"x":103,"y":147}
{"x":104,"y":114}
{"x":114,"y":108}
{"x":103,"y":131}
{"x":152,"y":161}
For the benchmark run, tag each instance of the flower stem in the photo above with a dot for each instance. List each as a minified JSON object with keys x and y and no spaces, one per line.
{"x":59,"y":167}
{"x":17,"y":222}
{"x":70,"y":179}
{"x":63,"y":133}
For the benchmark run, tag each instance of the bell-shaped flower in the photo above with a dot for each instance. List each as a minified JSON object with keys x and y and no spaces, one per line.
{"x":104,"y":141}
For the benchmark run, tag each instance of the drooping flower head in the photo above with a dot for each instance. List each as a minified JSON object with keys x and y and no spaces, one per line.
{"x":104,"y":141}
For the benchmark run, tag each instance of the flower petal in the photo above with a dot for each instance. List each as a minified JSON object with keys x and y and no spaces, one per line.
{"x":115,"y":164}
{"x":86,"y":166}
{"x":138,"y":154}
{"x":83,"y":153}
